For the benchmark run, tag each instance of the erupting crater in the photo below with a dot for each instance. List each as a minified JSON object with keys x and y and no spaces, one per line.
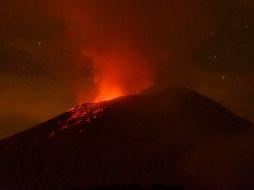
{"x":119,"y":71}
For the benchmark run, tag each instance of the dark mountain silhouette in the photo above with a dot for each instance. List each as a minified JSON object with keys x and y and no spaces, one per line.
{"x":176,"y":137}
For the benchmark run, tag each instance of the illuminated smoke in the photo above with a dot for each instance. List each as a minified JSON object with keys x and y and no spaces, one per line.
{"x":131,"y":44}
{"x":120,"y":71}
{"x":118,"y":66}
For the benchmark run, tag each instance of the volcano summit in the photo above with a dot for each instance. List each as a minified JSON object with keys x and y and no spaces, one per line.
{"x":176,"y":137}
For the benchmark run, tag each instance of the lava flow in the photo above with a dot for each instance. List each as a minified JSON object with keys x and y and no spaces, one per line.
{"x":117,"y":72}
{"x":81,"y":115}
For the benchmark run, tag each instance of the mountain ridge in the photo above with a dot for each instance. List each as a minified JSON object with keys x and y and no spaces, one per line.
{"x":141,"y":139}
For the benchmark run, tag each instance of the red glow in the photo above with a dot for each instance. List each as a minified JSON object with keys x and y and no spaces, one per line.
{"x":119,"y":67}
{"x":119,"y":72}
{"x":107,"y":92}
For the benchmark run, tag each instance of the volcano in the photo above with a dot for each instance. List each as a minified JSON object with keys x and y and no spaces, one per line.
{"x":176,"y":137}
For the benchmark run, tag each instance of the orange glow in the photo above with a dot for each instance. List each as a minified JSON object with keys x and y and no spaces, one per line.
{"x":118,"y":65}
{"x":107,"y":92}
{"x":119,"y":72}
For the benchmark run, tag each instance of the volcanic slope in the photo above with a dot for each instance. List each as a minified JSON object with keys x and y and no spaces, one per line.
{"x":174,"y":137}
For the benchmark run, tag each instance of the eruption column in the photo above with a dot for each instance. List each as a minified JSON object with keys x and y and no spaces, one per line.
{"x":118,"y":72}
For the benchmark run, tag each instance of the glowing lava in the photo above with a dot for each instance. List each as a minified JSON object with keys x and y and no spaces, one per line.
{"x":82,"y":115}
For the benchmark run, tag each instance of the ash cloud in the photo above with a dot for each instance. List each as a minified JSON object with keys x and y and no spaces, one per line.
{"x":165,"y":33}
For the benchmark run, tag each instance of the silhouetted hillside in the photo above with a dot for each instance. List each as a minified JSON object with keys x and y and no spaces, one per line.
{"x":176,"y":137}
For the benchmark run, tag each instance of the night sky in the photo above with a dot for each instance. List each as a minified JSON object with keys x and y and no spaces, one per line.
{"x":52,"y":54}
